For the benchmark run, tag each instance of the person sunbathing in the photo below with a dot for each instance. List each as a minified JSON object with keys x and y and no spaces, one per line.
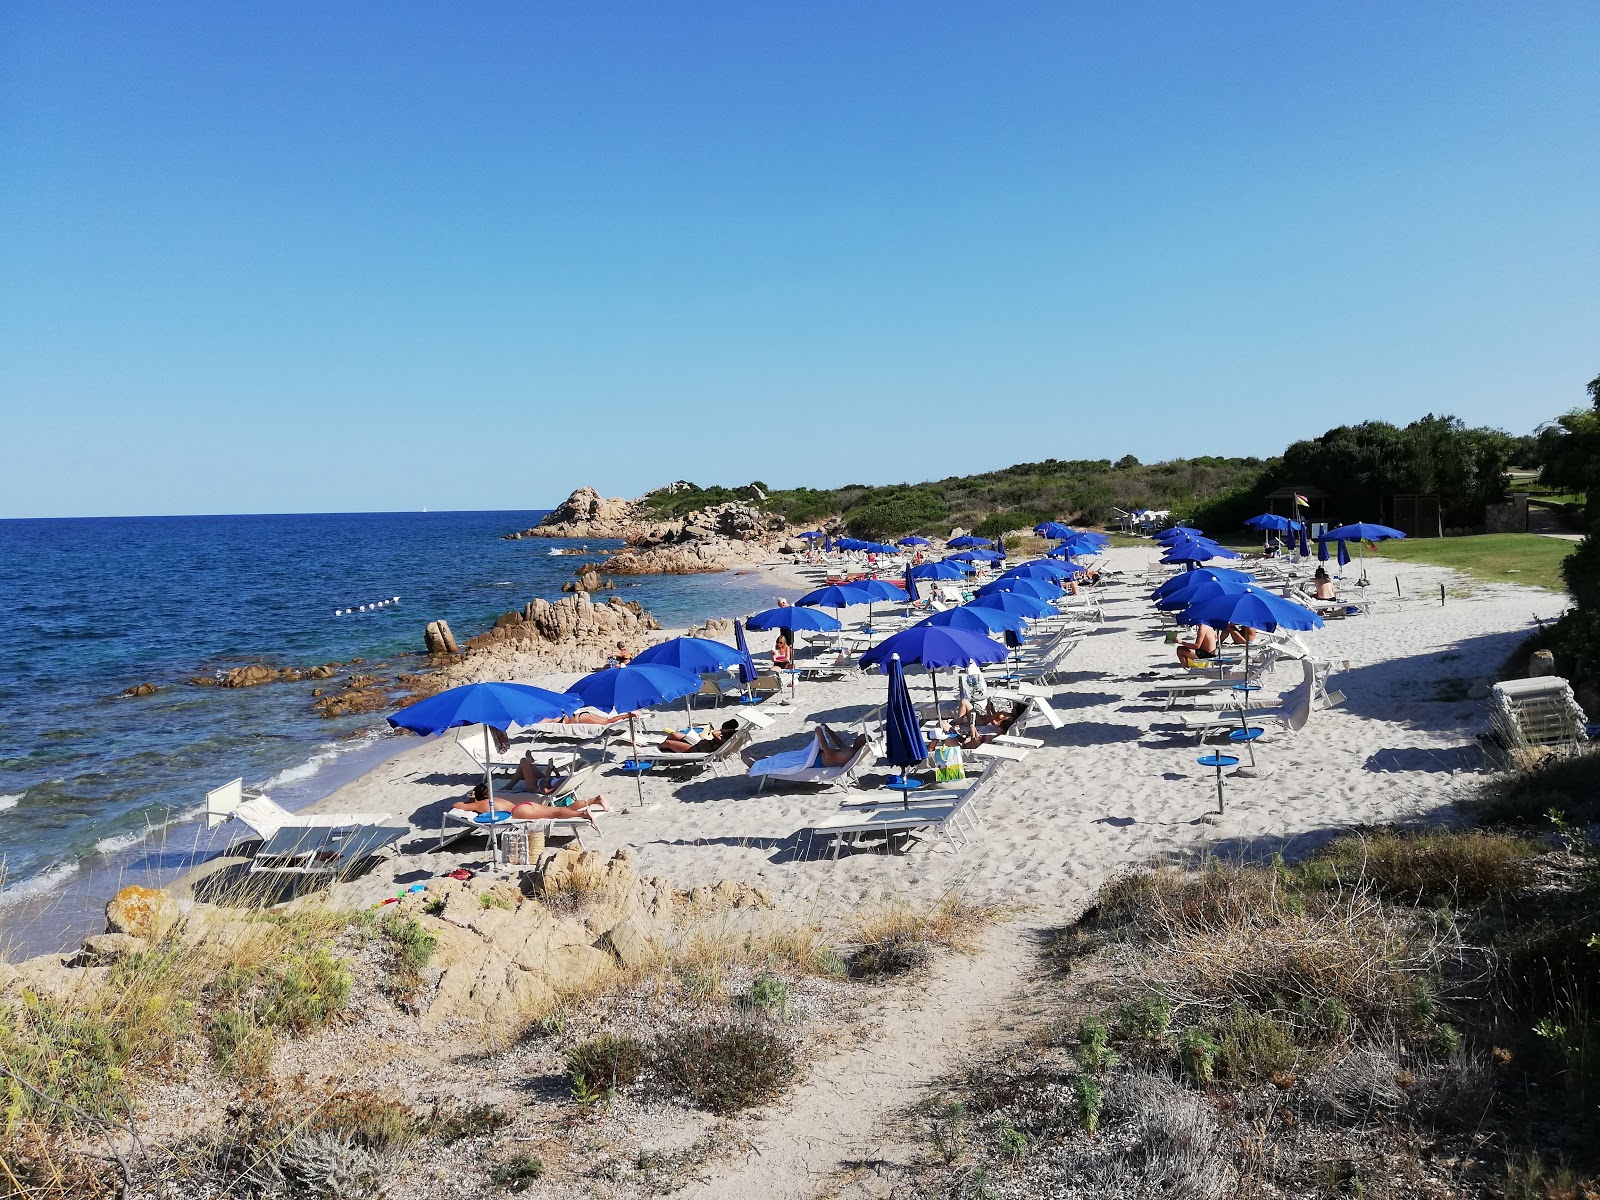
{"x":688,"y":742}
{"x":1239,"y":635}
{"x":586,"y":716}
{"x":533,"y":777}
{"x":833,"y":750}
{"x":1203,"y":647}
{"x":622,"y":656}
{"x":1322,"y":586}
{"x":969,"y":729}
{"x":529,"y":810}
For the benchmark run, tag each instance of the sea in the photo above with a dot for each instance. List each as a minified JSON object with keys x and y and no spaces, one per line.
{"x":97,"y":789}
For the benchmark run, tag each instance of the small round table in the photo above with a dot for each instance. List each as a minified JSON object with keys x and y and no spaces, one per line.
{"x":1218,"y":761}
{"x":1246,"y":737}
{"x":637,"y":767}
{"x":905,"y":785}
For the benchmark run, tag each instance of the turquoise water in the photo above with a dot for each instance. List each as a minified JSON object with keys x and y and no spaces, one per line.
{"x":90,"y":607}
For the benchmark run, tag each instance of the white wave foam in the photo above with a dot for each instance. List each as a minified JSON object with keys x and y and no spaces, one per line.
{"x":10,"y":801}
{"x":45,"y":881}
{"x":299,"y":771}
{"x":122,"y":841}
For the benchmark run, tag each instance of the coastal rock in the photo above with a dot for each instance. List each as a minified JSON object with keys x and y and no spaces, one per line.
{"x":143,"y":912}
{"x":353,"y":700}
{"x":140,"y":689}
{"x":630,"y":942}
{"x":696,"y":558}
{"x":1541,"y":662}
{"x":102,"y":949}
{"x":575,"y":622}
{"x":438,"y":639}
{"x":252,"y":676}
{"x":586,"y":513}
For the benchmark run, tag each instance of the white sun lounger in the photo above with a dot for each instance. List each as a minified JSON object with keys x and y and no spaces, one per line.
{"x":800,"y":766}
{"x":301,"y":843}
{"x":231,"y":802}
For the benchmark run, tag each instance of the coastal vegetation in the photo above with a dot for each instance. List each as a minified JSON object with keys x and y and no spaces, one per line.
{"x":1528,"y":558}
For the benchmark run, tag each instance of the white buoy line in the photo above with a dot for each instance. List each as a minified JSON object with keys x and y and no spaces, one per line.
{"x":374,"y":607}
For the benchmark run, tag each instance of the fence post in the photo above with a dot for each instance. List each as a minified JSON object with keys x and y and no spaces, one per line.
{"x":1441,"y":595}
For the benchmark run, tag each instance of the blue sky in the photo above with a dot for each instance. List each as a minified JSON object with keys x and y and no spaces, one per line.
{"x":296,"y":257}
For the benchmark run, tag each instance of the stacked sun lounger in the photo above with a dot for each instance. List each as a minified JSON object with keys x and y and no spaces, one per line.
{"x":1538,"y":712}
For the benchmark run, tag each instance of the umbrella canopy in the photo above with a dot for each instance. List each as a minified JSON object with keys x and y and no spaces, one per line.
{"x":969,"y":540}
{"x":913,"y":540}
{"x":701,"y":655}
{"x":935,"y":570}
{"x":1053,"y":529}
{"x":1251,"y":607}
{"x":1362,"y":531}
{"x":815,"y":533}
{"x":747,"y":665}
{"x":1198,"y":591}
{"x":498,"y":705}
{"x":935,"y":647}
{"x":978,"y":620}
{"x":794,"y":618}
{"x":1015,"y":602}
{"x":1195,"y":550}
{"x":635,"y":686}
{"x":1039,"y":589}
{"x":881,"y":589}
{"x":1174,"y":532}
{"x":965,"y":556}
{"x":1041,"y":568}
{"x":983,"y":555}
{"x":836,"y":595}
{"x":1188,"y":579}
{"x":1080,"y":543}
{"x":903,"y":732}
{"x":1273,"y":522}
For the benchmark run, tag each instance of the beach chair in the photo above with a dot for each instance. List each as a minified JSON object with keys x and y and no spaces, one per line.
{"x":1291,"y":714}
{"x":950,"y":818}
{"x":1537,"y":713}
{"x":330,"y":844}
{"x":454,"y":825}
{"x":690,"y":762}
{"x":801,"y":766}
{"x":510,"y":758}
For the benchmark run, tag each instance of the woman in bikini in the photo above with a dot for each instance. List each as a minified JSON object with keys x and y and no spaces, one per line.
{"x":530,"y":810}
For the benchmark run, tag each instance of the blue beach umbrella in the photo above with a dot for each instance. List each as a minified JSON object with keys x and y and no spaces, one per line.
{"x":1305,"y":543}
{"x":966,"y":556}
{"x":1322,"y":549}
{"x":1039,"y":589}
{"x":700,"y":655}
{"x":1197,"y":592}
{"x":881,"y":589}
{"x":1015,"y":602}
{"x":747,"y":665}
{"x":835,"y":595}
{"x":492,"y":705}
{"x":1189,"y":578}
{"x":1361,"y":533}
{"x":1273,"y":522}
{"x":936,"y":648}
{"x":1053,"y":529}
{"x":935,"y":570}
{"x":633,"y":687}
{"x":969,"y":540}
{"x":815,"y":533}
{"x":1194,"y":550}
{"x":913,"y":540}
{"x":1042,"y":568}
{"x":905,"y":746}
{"x":978,"y":620}
{"x":1251,"y":607}
{"x":1175,"y":532}
{"x":794,"y":618}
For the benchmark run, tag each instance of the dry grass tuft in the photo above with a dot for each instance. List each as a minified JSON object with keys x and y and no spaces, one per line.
{"x":899,"y":938}
{"x":1454,"y":866}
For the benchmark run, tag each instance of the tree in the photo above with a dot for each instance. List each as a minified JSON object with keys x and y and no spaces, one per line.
{"x":1566,"y":455}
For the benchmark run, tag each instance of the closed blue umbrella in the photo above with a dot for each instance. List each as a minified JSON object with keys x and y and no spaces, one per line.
{"x":969,"y":540}
{"x":1000,"y":546}
{"x":794,"y":618}
{"x":747,"y":665}
{"x":1305,"y":545}
{"x":701,"y":655}
{"x":1039,"y":589}
{"x":492,"y":705}
{"x":1015,"y":602}
{"x":903,"y":732}
{"x":1344,"y":554}
{"x":1322,"y":549}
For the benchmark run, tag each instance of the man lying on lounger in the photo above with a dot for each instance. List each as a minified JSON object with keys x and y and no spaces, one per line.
{"x":530,"y":810}
{"x":833,"y":749}
{"x":969,"y":728}
{"x":688,"y":742}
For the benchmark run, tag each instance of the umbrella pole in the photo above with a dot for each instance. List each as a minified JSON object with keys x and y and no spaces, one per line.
{"x":638,"y":775}
{"x":488,"y":780}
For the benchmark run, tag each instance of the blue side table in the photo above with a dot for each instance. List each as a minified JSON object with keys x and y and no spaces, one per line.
{"x":905,"y":785}
{"x":1218,"y":761}
{"x":637,"y":767}
{"x":1246,"y":737}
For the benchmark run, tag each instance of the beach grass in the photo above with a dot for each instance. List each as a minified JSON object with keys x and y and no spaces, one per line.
{"x":1526,"y":558}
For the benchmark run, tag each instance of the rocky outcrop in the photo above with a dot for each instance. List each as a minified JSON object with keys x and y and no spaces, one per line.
{"x":139,"y":689}
{"x":141,"y":912}
{"x":586,"y":513}
{"x":697,"y":559}
{"x":574,"y":633}
{"x":255,"y":674}
{"x":438,"y":639}
{"x":588,"y":580}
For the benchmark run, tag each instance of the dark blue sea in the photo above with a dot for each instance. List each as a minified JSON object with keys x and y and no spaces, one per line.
{"x":96,"y":786}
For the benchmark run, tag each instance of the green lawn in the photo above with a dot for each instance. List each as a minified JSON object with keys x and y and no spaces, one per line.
{"x":1502,"y":557}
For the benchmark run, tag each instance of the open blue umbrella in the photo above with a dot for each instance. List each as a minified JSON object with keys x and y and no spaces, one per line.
{"x":794,"y":618}
{"x":1361,"y":533}
{"x":978,"y":619}
{"x":903,"y":732}
{"x":1015,"y":602}
{"x":1194,"y":550}
{"x":1198,"y":591}
{"x":1053,"y":529}
{"x":1273,"y":522}
{"x":700,"y":655}
{"x":492,"y":705}
{"x":747,"y":665}
{"x":1039,"y":589}
{"x":1189,"y":578}
{"x":969,"y":540}
{"x":835,"y":595}
{"x":913,"y":540}
{"x":936,"y":648}
{"x":1250,"y":607}
{"x":1042,"y":568}
{"x":633,"y":687}
{"x":881,"y":589}
{"x":966,"y":556}
{"x":815,"y":533}
{"x":935,"y":570}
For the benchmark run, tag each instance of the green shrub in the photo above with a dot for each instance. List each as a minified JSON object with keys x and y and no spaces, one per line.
{"x":518,"y":1171}
{"x":768,"y":994}
{"x":607,"y":1061}
{"x":1198,"y":1051}
{"x":1094,"y":1046}
{"x":1253,"y":1045}
{"x":1523,"y":797}
{"x":1145,"y":1019}
{"x":724,"y":1067}
{"x":1090,"y":1099}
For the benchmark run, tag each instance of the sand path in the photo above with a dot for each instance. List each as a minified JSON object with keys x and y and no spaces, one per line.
{"x":837,"y":1116}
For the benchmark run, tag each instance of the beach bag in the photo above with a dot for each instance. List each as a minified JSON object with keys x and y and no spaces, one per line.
{"x":947,"y":765}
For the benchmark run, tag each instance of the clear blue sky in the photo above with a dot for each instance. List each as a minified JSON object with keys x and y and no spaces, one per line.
{"x":284,"y":257}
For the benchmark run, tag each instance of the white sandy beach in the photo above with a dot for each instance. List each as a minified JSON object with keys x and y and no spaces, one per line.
{"x":1106,"y":791}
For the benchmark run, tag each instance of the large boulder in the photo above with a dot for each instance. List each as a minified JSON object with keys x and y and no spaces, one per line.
{"x":147,"y":913}
{"x":251,"y":676}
